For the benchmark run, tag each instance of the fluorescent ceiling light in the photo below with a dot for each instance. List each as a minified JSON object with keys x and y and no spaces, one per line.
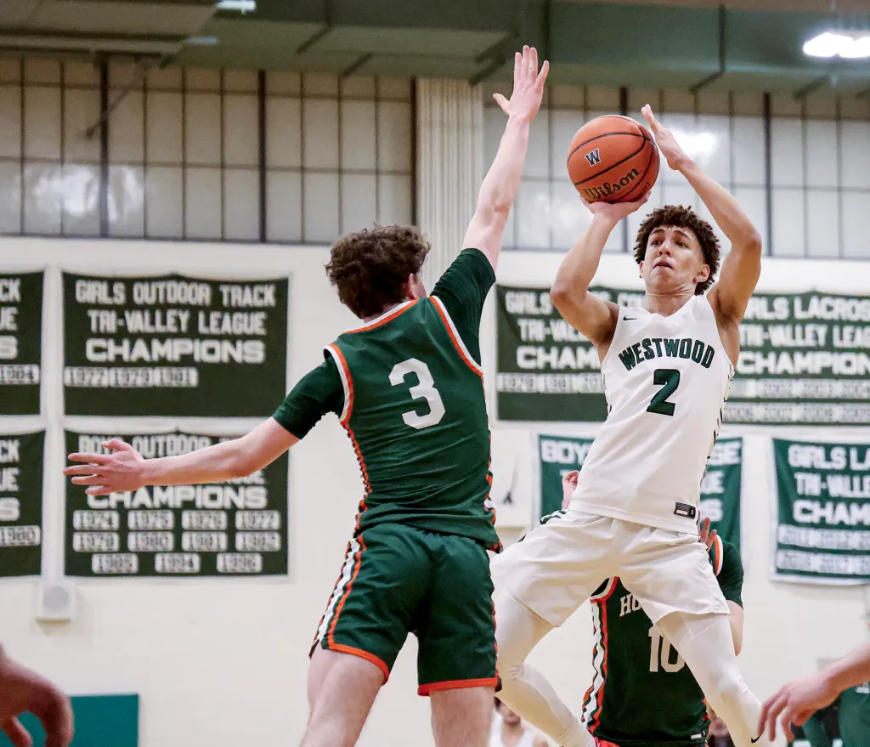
{"x":850,"y":45}
{"x":243,"y":6}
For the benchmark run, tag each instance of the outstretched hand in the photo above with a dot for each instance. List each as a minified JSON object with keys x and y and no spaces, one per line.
{"x":119,"y":472}
{"x":668,"y":145}
{"x":793,"y":704}
{"x":528,"y":90}
{"x":21,"y":691}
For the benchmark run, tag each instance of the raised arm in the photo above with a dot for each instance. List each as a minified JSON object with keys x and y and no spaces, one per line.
{"x":742,"y":267}
{"x":499,"y":188}
{"x":796,"y":702}
{"x":125,"y":469}
{"x":595,"y":318}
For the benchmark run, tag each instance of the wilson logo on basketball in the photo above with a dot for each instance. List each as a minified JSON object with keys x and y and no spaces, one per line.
{"x":593,"y":157}
{"x":609,"y":188}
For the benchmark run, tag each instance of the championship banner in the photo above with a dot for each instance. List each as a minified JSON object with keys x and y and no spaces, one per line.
{"x":174,"y":346}
{"x":547,"y":370}
{"x":21,"y":504}
{"x":20,"y":342}
{"x":804,"y":360}
{"x":823,"y":509}
{"x":720,"y":491}
{"x":231,"y":528}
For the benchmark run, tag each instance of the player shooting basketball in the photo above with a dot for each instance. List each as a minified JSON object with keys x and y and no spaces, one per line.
{"x":667,"y":370}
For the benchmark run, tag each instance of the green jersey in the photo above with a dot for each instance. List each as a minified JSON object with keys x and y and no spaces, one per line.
{"x":643,"y":694}
{"x":408,"y":389}
{"x":853,"y":706}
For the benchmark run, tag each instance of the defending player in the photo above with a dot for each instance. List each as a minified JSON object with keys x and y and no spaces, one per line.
{"x":667,"y":370}
{"x":642,"y":694}
{"x":407,"y":386}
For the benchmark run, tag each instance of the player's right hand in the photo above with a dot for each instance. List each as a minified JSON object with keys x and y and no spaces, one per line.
{"x":528,"y":90}
{"x":24,"y":691}
{"x":119,"y":472}
{"x":793,"y":704}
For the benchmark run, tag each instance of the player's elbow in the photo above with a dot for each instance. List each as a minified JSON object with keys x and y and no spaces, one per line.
{"x":751,"y":244}
{"x":563,"y":295}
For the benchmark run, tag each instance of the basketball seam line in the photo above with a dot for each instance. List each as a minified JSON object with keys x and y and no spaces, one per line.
{"x":618,"y":163}
{"x":643,"y":175}
{"x":606,"y":134}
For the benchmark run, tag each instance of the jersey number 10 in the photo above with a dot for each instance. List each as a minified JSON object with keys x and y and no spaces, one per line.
{"x":425,"y":389}
{"x":660,"y":654}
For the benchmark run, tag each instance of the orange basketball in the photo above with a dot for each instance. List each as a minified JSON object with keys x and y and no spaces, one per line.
{"x":613,"y":159}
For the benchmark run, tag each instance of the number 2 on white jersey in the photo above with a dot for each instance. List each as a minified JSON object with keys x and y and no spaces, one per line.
{"x":425,"y":389}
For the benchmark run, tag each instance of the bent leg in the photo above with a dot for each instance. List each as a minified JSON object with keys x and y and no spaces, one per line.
{"x":341,"y":690}
{"x":706,"y":645}
{"x":523,"y":688}
{"x":462,"y":718}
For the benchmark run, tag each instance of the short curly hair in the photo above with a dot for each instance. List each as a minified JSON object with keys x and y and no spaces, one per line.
{"x":682,"y":217}
{"x":370,"y":267}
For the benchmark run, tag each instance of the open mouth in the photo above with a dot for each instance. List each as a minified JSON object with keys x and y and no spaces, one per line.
{"x":663,"y":263}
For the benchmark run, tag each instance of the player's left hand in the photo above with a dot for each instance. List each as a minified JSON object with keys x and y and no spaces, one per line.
{"x":668,"y":145}
{"x":569,"y":483}
{"x":119,"y":472}
{"x":707,"y":536}
{"x":793,"y":704}
{"x":24,"y":691}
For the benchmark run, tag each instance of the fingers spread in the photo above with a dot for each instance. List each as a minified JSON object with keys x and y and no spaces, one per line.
{"x":89,"y":480}
{"x":116,"y":444}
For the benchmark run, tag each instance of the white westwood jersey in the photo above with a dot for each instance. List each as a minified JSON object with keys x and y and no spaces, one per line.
{"x":666,"y":379}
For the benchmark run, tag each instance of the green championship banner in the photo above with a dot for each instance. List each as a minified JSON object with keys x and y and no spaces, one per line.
{"x":20,"y":342}
{"x":823,"y":510}
{"x":174,"y":346}
{"x":547,"y":370}
{"x":231,"y":528}
{"x":720,"y":491}
{"x":21,"y":504}
{"x":804,"y":360}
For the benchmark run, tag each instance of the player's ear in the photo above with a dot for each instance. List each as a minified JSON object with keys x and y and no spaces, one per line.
{"x":414,"y":287}
{"x":640,"y":270}
{"x":703,"y":275}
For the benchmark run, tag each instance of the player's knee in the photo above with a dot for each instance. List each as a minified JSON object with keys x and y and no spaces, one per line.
{"x":728,"y":689}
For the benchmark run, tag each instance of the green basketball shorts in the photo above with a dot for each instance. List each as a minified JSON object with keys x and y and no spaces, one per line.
{"x":397,"y":579}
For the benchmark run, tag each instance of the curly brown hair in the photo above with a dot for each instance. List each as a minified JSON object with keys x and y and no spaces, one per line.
{"x":681,"y":217}
{"x":369,"y":268}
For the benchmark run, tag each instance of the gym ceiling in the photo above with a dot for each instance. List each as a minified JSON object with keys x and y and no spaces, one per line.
{"x":744,"y":45}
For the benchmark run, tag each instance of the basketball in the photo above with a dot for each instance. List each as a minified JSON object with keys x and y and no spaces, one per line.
{"x":613,"y":159}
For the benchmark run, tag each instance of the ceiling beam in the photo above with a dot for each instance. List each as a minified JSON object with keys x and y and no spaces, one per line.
{"x":723,"y":52}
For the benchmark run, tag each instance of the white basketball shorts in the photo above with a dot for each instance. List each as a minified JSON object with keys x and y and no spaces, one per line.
{"x":559,"y":565}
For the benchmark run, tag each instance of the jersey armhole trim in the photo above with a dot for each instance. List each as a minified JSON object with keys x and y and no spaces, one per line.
{"x":718,"y":554}
{"x":606,"y":592}
{"x":346,"y":382}
{"x":456,"y":337}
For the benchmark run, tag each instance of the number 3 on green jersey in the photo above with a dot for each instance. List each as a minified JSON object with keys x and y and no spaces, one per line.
{"x":425,"y":389}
